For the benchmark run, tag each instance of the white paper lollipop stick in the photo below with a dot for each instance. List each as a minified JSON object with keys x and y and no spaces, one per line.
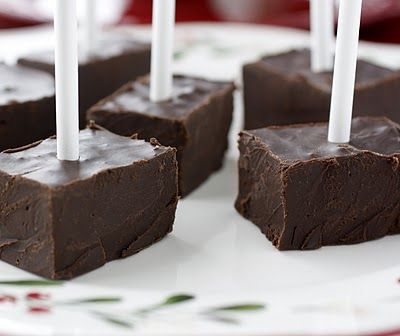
{"x":66,"y":62}
{"x":90,"y":25}
{"x":322,"y":34}
{"x":162,"y":50}
{"x":345,"y":71}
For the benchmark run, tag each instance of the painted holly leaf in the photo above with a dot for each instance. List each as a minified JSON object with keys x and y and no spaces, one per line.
{"x":240,"y":308}
{"x":97,"y":300}
{"x":114,"y":320}
{"x":176,"y":299}
{"x":31,"y":283}
{"x":169,"y":301}
{"x":222,"y":51}
{"x":118,"y":322}
{"x":178,"y":55}
{"x":223,"y":319}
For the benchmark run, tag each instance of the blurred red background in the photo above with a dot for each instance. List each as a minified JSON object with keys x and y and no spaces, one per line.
{"x":381,"y":18}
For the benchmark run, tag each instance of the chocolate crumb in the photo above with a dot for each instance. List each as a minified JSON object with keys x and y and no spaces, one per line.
{"x":91,"y":124}
{"x":154,"y":142}
{"x":95,"y":127}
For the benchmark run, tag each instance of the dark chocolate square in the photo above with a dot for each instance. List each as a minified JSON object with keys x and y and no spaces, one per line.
{"x":304,"y":193}
{"x":282,"y":90}
{"x":62,"y":219}
{"x":114,"y":63}
{"x":27,"y":106}
{"x":196,"y":121}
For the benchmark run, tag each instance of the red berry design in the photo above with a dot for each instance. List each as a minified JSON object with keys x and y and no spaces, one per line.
{"x":7,"y":299}
{"x":34,"y":296}
{"x":39,"y":310}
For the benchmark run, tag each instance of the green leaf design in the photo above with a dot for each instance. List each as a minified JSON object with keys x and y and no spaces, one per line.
{"x":240,"y":308}
{"x":114,"y":320}
{"x":222,"y":50}
{"x":169,"y":301}
{"x":97,"y":300}
{"x":118,"y":322}
{"x":31,"y":283}
{"x":222,"y":319}
{"x":176,"y":299}
{"x":178,"y":55}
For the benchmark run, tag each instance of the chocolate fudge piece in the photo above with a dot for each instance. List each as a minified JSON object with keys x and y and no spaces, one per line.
{"x":114,"y":63}
{"x":27,"y":106}
{"x":61,"y":219}
{"x":304,"y":193}
{"x":196,"y":121}
{"x":282,"y":90}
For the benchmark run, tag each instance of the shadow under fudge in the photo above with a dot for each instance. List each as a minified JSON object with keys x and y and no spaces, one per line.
{"x":196,"y":121}
{"x":282,"y":90}
{"x":304,"y":193}
{"x":61,"y":219}
{"x":27,"y":106}
{"x":112,"y":64}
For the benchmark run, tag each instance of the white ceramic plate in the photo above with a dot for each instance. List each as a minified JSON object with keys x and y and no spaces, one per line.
{"x":229,"y":278}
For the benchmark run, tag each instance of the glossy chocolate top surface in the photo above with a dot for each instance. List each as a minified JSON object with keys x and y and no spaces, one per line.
{"x":309,"y":141}
{"x":112,"y":46}
{"x":298,"y":63}
{"x":100,"y":150}
{"x":19,"y":84}
{"x":291,"y":62}
{"x":188,"y":94}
